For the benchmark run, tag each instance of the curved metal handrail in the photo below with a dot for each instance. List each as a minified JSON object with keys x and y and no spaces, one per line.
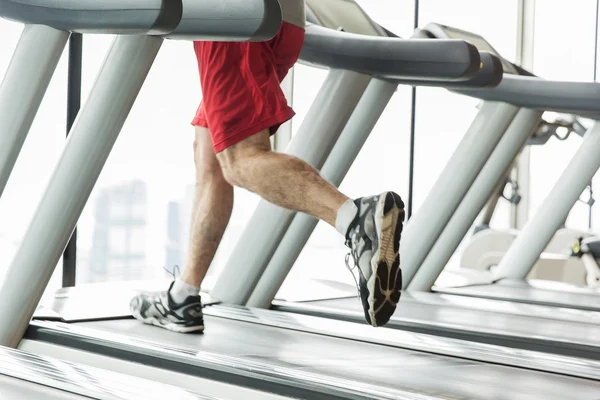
{"x":223,"y":20}
{"x":420,"y":59}
{"x":153,"y":17}
{"x":532,"y":92}
{"x":233,"y":20}
{"x":490,"y":75}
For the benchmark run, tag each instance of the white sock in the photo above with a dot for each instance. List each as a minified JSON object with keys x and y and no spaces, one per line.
{"x":345,"y":216}
{"x":181,"y":291}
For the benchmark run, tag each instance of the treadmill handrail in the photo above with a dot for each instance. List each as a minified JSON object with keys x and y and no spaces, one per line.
{"x":236,"y":20}
{"x":222,"y":20}
{"x":489,"y":76}
{"x":422,"y":59}
{"x":217,"y":366}
{"x":154,"y":17}
{"x":532,"y":92}
{"x":84,"y":380}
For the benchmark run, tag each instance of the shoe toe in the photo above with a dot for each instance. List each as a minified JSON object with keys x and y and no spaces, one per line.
{"x":135,"y":303}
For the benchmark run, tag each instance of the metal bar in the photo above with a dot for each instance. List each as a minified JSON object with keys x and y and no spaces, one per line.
{"x":537,"y":233}
{"x":596,"y":41}
{"x":490,"y":208}
{"x":591,"y":206}
{"x":525,"y":33}
{"x":411,"y":157}
{"x":423,"y":229}
{"x":22,"y":90}
{"x":319,"y":131}
{"x":87,"y":149}
{"x":413,"y":126}
{"x":525,"y":56}
{"x":503,"y":156}
{"x":73,"y":105}
{"x":282,"y":138}
{"x":520,"y":212}
{"x":141,"y":17}
{"x":342,"y":156}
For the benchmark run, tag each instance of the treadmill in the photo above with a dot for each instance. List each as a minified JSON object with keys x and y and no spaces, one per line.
{"x":499,"y":128}
{"x":507,"y":280}
{"x":26,"y":376}
{"x":245,"y":348}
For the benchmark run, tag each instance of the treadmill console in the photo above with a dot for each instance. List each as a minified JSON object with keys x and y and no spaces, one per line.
{"x":439,"y":31}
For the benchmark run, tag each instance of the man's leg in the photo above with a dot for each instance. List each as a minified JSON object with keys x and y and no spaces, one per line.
{"x":179,"y":308}
{"x":281,"y":179}
{"x":371,"y":225}
{"x":213,"y":204}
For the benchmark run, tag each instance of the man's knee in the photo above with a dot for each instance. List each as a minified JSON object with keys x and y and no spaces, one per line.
{"x":207,"y":168}
{"x":235,"y":160}
{"x":233,"y":164}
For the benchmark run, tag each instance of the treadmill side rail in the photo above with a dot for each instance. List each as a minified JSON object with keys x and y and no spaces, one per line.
{"x":424,"y":59}
{"x":233,"y":20}
{"x":531,"y":92}
{"x":156,"y":17}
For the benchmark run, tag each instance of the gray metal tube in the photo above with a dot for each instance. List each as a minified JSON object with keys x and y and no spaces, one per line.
{"x":537,"y":233}
{"x":492,"y":203}
{"x":22,"y":90}
{"x":342,"y":156}
{"x":87,"y":148}
{"x":230,"y":20}
{"x":319,"y":131}
{"x":508,"y":148}
{"x":140,"y":17}
{"x":424,"y":227}
{"x":490,"y":207}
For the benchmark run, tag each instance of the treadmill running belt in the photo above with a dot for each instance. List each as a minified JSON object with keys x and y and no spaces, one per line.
{"x":580,"y":339}
{"x":12,"y":388}
{"x":524,"y":293}
{"x":381,"y":366}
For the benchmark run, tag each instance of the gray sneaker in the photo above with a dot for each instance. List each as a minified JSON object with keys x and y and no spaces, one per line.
{"x":374,"y":242}
{"x":159,"y":309}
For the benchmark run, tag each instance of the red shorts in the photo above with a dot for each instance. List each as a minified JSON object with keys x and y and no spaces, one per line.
{"x":241,"y":88}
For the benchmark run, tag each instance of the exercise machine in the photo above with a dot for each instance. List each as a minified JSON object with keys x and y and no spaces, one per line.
{"x":255,"y":352}
{"x":487,"y":245}
{"x":264,"y":352}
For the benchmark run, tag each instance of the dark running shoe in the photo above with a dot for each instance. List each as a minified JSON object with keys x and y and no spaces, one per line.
{"x":160,"y":310}
{"x":374,"y":242}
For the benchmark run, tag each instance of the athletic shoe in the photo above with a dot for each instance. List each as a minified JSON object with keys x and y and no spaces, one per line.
{"x":374,"y":242}
{"x":159,"y":309}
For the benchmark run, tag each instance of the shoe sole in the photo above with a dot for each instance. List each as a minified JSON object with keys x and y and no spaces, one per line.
{"x":385,"y":282}
{"x":170,"y":326}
